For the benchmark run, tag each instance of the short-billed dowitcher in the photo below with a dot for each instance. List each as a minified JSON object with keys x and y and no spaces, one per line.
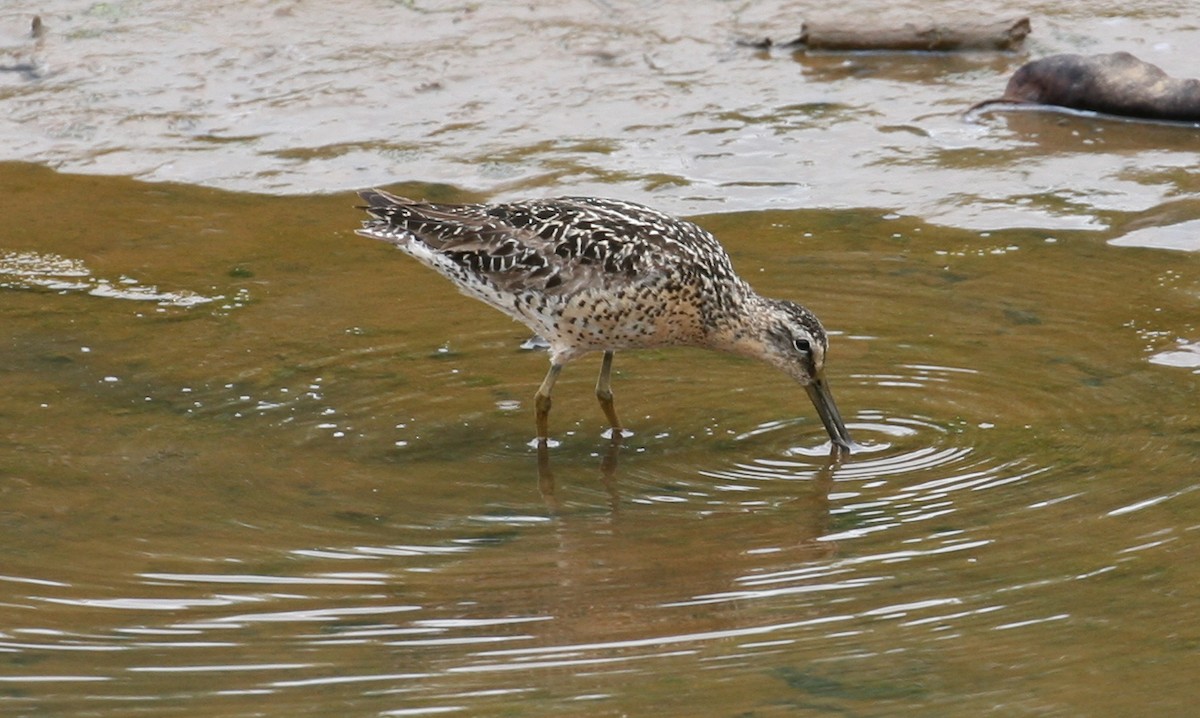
{"x":592,"y":274}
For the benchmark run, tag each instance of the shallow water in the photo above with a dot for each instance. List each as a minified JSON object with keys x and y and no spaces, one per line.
{"x":308,"y":484}
{"x":252,"y":464}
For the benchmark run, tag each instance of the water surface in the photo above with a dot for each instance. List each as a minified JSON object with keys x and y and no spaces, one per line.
{"x":648,"y":101}
{"x":270,"y":466}
{"x":252,"y":464}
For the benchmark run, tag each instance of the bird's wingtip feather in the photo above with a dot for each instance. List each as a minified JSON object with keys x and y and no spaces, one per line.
{"x":376,"y":197}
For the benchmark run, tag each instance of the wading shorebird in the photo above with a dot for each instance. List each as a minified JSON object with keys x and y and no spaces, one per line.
{"x":591,"y":274}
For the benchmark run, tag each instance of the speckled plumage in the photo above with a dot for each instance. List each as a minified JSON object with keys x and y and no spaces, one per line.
{"x":591,"y":274}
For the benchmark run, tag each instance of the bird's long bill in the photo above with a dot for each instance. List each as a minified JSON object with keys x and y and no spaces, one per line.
{"x":822,"y":399}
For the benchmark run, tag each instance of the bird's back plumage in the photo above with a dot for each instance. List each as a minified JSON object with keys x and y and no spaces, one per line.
{"x":585,"y":273}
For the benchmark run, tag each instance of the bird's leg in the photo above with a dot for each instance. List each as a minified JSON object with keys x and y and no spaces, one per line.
{"x":541,"y":400}
{"x":605,"y":395}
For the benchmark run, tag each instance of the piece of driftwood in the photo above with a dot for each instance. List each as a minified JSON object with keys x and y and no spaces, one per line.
{"x":1115,"y":84}
{"x":917,"y":36}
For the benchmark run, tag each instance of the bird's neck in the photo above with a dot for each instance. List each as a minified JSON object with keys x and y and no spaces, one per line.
{"x":741,"y":328}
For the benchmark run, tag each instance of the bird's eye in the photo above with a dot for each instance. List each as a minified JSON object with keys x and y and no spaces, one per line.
{"x":802,"y":345}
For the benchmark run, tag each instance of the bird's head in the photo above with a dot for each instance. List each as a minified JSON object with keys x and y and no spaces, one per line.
{"x":794,"y":342}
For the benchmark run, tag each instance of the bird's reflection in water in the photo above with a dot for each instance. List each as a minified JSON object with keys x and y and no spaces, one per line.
{"x":547,"y":485}
{"x":645,"y":568}
{"x":810,"y":511}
